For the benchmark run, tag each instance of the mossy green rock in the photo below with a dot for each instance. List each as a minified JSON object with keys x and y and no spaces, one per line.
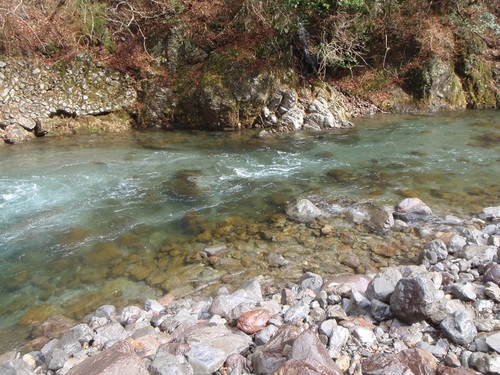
{"x":436,"y":87}
{"x":478,"y":82}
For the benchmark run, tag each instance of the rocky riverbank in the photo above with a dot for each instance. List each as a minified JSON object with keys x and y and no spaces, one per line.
{"x":437,"y":317}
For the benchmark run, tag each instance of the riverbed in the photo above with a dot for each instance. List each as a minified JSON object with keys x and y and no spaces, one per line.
{"x":116,"y":219}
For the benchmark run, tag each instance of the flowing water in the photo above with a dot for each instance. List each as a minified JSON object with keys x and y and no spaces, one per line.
{"x":85,"y":220}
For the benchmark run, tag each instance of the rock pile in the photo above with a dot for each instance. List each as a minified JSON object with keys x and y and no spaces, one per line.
{"x":439,"y":317}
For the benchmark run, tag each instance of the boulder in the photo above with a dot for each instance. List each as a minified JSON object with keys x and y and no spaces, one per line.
{"x":271,"y":356}
{"x":413,"y":299}
{"x":412,"y":206}
{"x":459,"y":328}
{"x":307,"y":347}
{"x":409,"y":361}
{"x":304,"y":211}
{"x":119,"y":359}
{"x":383,"y":284}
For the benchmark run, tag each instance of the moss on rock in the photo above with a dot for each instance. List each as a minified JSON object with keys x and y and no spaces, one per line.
{"x":477,"y":80}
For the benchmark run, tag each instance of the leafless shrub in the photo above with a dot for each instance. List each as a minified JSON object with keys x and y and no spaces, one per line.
{"x":436,"y":39}
{"x":341,"y":43}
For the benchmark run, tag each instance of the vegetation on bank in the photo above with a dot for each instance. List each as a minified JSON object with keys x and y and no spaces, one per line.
{"x":365,"y":45}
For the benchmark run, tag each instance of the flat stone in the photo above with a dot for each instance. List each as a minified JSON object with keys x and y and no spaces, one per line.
{"x":109,"y":334}
{"x":119,"y":359}
{"x":343,"y":284}
{"x":493,"y":341}
{"x":365,"y":335}
{"x":205,"y":359}
{"x":219,"y":336}
{"x":490,"y":213}
{"x":464,"y":292}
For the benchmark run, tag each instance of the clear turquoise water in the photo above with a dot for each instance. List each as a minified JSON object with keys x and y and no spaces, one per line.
{"x":60,"y":198}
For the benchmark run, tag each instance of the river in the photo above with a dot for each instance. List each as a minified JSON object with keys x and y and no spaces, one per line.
{"x":89,"y":220}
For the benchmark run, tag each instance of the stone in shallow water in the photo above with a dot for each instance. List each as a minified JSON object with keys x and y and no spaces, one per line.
{"x":413,"y":206}
{"x":490,"y":213}
{"x":305,"y":211}
{"x":343,"y":284}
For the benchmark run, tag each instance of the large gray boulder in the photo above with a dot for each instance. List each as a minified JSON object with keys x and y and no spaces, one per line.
{"x":413,"y":299}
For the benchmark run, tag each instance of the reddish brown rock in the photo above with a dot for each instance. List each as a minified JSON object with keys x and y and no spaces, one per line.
{"x":444,"y":370}
{"x":309,"y":350}
{"x":409,"y":361}
{"x":304,"y":367}
{"x":253,"y":321}
{"x":55,"y":326}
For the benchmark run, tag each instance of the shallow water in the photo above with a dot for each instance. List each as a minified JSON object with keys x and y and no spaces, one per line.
{"x":94,"y":220}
